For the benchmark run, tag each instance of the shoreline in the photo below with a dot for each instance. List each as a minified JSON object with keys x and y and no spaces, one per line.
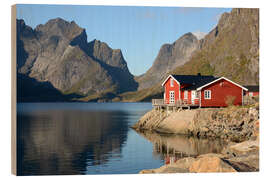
{"x":234,"y":123}
{"x":238,"y":125}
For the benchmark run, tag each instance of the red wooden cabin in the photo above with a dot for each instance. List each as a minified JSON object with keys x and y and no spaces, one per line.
{"x":202,"y":91}
{"x":252,"y":91}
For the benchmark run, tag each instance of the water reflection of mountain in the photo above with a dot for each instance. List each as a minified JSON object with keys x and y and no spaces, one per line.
{"x":66,"y":142}
{"x":172,"y":147}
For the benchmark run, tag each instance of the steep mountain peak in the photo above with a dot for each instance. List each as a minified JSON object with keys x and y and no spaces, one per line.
{"x":169,"y":57}
{"x":113,"y":57}
{"x":60,"y":27}
{"x":23,"y":29}
{"x":183,"y":41}
{"x":188,"y":35}
{"x":20,"y":22}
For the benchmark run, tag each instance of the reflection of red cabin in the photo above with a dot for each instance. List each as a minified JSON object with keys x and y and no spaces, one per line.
{"x":252,"y":91}
{"x":203,"y":91}
{"x":170,"y":160}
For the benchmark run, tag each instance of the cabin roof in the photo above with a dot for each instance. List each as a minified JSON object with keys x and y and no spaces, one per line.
{"x":192,"y":79}
{"x":253,"y":88}
{"x":197,"y":82}
{"x":200,"y":83}
{"x":205,"y":85}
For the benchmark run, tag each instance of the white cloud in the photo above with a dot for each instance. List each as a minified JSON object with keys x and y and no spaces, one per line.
{"x":199,"y":34}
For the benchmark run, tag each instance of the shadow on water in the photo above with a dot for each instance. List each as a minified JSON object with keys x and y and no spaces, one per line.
{"x":173,"y":147}
{"x":67,"y":141}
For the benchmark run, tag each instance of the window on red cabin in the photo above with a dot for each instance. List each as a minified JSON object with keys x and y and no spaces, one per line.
{"x":207,"y":94}
{"x":185,"y":94}
{"x":172,"y":100}
{"x":221,"y":84}
{"x":171,"y":82}
{"x":196,"y":94}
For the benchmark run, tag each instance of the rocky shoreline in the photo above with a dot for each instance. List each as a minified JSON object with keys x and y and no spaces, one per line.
{"x":239,"y":157}
{"x":234,"y":123}
{"x":237,"y":125}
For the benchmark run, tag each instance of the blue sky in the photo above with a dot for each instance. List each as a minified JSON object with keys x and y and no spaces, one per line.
{"x":138,"y":31}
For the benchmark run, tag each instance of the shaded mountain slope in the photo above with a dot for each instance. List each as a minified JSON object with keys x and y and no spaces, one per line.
{"x":58,"y":52}
{"x":169,"y":57}
{"x":29,"y":89}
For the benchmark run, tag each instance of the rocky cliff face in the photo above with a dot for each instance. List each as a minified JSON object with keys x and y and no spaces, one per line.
{"x":233,"y":123}
{"x":169,"y":57}
{"x":58,"y":52}
{"x":231,"y":49}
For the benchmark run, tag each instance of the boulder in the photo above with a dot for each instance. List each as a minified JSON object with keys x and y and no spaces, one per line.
{"x":180,"y":166}
{"x":256,"y":129}
{"x":172,"y":168}
{"x":210,"y":163}
{"x":244,"y":148}
{"x":247,"y":163}
{"x":212,"y":155}
{"x":178,"y":122}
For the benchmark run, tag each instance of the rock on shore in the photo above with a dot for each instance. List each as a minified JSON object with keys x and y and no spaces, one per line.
{"x":246,"y":160}
{"x":233,"y":123}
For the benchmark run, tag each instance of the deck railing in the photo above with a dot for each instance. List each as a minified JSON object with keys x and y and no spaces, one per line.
{"x":158,"y":102}
{"x":161,"y":102}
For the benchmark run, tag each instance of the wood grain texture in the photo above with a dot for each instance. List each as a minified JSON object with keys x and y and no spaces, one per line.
{"x":13,"y":92}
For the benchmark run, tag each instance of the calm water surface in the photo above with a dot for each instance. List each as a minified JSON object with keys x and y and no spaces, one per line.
{"x":95,"y":138}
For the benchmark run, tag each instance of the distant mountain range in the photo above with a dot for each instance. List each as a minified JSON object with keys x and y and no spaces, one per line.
{"x":231,"y":49}
{"x":57,"y":54}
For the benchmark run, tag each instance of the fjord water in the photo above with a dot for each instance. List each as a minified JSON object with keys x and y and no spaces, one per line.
{"x":95,"y":138}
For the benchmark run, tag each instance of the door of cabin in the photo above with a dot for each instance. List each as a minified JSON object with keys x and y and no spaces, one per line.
{"x":172,"y":97}
{"x":193,"y":96}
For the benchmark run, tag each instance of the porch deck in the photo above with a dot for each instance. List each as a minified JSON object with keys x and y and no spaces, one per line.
{"x":177,"y":103}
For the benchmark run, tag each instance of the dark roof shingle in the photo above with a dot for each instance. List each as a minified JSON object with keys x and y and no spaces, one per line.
{"x":194,"y":80}
{"x":253,"y":88}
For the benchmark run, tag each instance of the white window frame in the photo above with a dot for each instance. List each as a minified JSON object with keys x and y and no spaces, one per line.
{"x":171,"y":82}
{"x":185,"y":94}
{"x":171,"y":100}
{"x":197,"y":94}
{"x":207,"y":94}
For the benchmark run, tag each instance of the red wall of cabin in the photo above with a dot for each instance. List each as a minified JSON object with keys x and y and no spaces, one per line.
{"x":219,"y":92}
{"x":182,"y":91}
{"x":188,"y":97}
{"x":254,"y":93}
{"x":168,"y":88}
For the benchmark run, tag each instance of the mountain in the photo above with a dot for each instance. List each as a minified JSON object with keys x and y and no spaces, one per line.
{"x":169,"y":57}
{"x":231,"y":49}
{"x":31,"y":90}
{"x":58,"y":52}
